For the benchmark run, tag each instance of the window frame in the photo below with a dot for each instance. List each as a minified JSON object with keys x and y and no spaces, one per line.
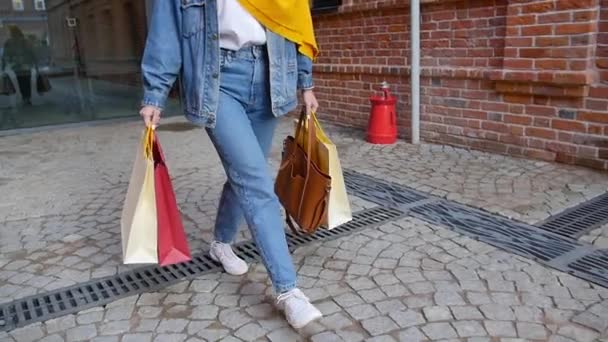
{"x":37,"y":2}
{"x":16,"y":7}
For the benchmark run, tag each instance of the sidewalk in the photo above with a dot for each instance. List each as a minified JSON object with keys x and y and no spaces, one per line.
{"x":408,"y":280}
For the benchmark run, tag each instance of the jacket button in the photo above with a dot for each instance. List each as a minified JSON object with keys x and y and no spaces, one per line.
{"x":216,"y":75}
{"x":214,"y":37}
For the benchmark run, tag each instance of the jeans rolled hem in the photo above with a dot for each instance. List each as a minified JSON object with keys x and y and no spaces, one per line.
{"x":222,"y":239}
{"x":278,"y":289}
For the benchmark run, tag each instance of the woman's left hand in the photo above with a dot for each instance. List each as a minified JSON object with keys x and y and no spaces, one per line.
{"x":310,"y":101}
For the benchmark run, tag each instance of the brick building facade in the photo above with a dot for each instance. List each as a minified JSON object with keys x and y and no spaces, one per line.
{"x":520,"y":77}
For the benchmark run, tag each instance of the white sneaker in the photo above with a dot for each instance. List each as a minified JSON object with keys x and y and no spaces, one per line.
{"x":298,"y":310}
{"x":222,"y":253}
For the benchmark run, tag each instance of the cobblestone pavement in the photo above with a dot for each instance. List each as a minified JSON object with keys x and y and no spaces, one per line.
{"x":406,"y":281}
{"x":597,"y":237}
{"x":63,"y":192}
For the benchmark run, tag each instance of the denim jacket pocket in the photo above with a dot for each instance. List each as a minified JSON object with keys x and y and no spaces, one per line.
{"x":193,"y":16}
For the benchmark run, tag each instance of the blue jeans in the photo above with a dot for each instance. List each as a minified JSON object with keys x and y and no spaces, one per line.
{"x":243,"y":137}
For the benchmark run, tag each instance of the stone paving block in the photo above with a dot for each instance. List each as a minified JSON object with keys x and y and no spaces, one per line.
{"x":137,"y":338}
{"x":567,"y":304}
{"x":437,"y":313}
{"x":469,"y":328}
{"x":177,"y":298}
{"x":233,"y":319}
{"x":478,"y":298}
{"x":383,"y":338}
{"x":558,"y":316}
{"x":396,"y":290}
{"x":203,"y":285}
{"x":466,"y":313}
{"x":411,"y":334}
{"x":263,"y":310}
{"x":204,"y":298}
{"x":60,"y":324}
{"x":531,"y":331}
{"x":336,"y":321}
{"x":213,"y":334}
{"x":105,"y":339}
{"x":497,"y":312}
{"x":326,"y":337}
{"x":170,"y":337}
{"x":328,"y":307}
{"x":538,"y":300}
{"x":500,"y":329}
{"x":348,"y":299}
{"x":146,"y":325}
{"x":144,"y":311}
{"x":114,"y":328}
{"x":51,"y":338}
{"x":379,"y":325}
{"x":407,"y":318}
{"x":436,"y":331}
{"x":82,"y":333}
{"x":423,"y":287}
{"x":204,"y":312}
{"x":284,"y":334}
{"x":172,"y":325}
{"x":348,"y":335}
{"x":118,"y":313}
{"x":29,"y":333}
{"x":227,"y":301}
{"x":528,"y":314}
{"x":449,"y":298}
{"x":363,"y":311}
{"x":578,"y":333}
{"x":418,"y":301}
{"x":390,"y":305}
{"x":250,"y":332}
{"x":587,"y":319}
{"x":501,"y":286}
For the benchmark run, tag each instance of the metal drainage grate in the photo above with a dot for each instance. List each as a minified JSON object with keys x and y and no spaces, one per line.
{"x":98,"y":292}
{"x":383,"y":193}
{"x":593,"y":265}
{"x":544,"y":245}
{"x":500,"y":232}
{"x":579,"y":220}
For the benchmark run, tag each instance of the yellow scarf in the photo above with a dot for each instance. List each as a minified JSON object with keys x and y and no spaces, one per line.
{"x":290,"y":19}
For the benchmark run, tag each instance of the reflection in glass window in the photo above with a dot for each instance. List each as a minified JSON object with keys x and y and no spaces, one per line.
{"x":39,"y":5}
{"x":18,"y":5}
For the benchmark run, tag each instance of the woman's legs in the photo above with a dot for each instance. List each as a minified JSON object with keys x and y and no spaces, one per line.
{"x":230,"y":215}
{"x":242,"y":136}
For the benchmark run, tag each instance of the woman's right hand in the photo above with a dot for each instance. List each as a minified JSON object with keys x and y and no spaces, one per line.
{"x":151,"y":115}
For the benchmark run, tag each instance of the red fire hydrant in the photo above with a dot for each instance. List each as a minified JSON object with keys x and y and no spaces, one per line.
{"x":382,"y":127}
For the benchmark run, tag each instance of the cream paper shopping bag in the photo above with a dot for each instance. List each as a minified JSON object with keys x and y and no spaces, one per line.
{"x":325,"y":154}
{"x":139,"y":221}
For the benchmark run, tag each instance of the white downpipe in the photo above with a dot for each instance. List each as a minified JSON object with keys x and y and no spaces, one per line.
{"x":415,"y":69}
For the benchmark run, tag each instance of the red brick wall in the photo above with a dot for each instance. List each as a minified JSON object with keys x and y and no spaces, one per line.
{"x":526,"y":78}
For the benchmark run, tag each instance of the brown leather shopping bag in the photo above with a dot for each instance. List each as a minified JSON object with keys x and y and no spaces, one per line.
{"x":301,"y":186}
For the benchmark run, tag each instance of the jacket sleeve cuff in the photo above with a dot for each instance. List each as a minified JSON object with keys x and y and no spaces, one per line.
{"x":155,"y":99}
{"x":305,"y":81}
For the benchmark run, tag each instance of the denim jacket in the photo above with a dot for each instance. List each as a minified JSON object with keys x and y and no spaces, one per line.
{"x":183,"y":40}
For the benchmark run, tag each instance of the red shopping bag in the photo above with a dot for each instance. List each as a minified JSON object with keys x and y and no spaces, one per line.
{"x":172,"y":242}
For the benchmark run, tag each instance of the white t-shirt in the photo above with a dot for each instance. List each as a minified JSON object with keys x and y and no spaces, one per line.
{"x":238,"y":28}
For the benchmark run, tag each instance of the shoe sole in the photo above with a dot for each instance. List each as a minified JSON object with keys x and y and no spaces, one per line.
{"x":302,"y":325}
{"x":214,"y":258}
